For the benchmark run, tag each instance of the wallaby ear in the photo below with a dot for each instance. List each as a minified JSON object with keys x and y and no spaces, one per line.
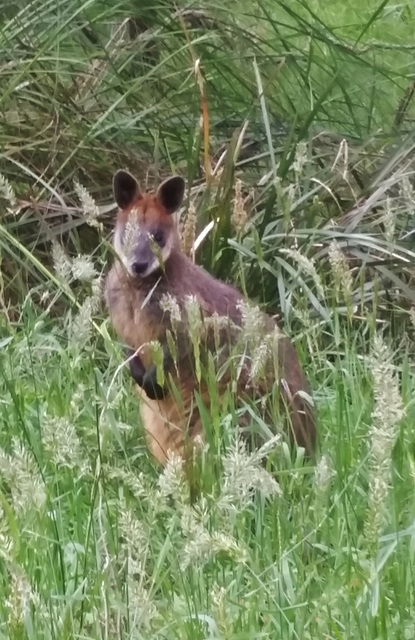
{"x":170,"y":193}
{"x":125,"y":188}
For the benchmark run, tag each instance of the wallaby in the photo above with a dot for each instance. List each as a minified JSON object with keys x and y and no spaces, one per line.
{"x":151,"y":269}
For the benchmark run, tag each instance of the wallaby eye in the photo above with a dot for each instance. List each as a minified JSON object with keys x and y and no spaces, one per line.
{"x":158,"y":237}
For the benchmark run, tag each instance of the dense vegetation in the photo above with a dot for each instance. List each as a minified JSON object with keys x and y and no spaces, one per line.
{"x":292,"y":123}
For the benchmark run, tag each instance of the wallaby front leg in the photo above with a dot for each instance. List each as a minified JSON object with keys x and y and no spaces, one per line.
{"x":183,"y":350}
{"x":137,"y":368}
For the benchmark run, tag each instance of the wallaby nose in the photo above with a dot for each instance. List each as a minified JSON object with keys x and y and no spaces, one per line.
{"x":138,"y":268}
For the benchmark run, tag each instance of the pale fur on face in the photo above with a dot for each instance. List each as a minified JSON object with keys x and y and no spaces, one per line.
{"x":125,"y":254}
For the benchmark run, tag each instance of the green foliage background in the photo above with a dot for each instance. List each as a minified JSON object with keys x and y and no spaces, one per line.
{"x":310,"y":105}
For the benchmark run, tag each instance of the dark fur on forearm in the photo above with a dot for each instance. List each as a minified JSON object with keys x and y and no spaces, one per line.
{"x":147,"y":380}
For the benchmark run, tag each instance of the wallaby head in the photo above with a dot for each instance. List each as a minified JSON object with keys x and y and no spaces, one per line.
{"x":145,"y":231}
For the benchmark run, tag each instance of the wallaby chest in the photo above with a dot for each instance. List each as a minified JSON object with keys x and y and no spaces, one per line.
{"x":136,"y":317}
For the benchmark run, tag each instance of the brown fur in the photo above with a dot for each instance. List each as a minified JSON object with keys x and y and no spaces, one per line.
{"x":138,"y":319}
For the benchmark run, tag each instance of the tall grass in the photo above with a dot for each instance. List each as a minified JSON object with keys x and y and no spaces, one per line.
{"x":292,"y":123}
{"x":97,"y":542}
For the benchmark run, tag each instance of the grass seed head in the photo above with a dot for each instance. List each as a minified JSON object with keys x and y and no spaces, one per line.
{"x":243,"y":475}
{"x":169,"y":304}
{"x":207,"y":545}
{"x":407,"y":194}
{"x":172,"y":482}
{"x":260,"y":357}
{"x":23,"y":477}
{"x":323,"y":474}
{"x":61,"y":262}
{"x":80,"y":325}
{"x":89,"y":207}
{"x":388,"y":410}
{"x":188,"y":234}
{"x":7,"y":193}
{"x":389,"y":219}
{"x":300,"y":159}
{"x":193,"y":313}
{"x":253,"y":323}
{"x":19,"y":598}
{"x":307,"y":266}
{"x":63,"y":445}
{"x":341,"y":273}
{"x":239,"y":216}
{"x":83,"y":268}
